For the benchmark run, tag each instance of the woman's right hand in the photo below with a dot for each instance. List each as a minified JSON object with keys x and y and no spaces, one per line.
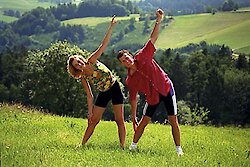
{"x":90,"y":115}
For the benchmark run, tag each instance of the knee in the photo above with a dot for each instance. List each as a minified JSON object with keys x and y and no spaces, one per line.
{"x":173,"y":121}
{"x":93,"y":122}
{"x":120,"y":122}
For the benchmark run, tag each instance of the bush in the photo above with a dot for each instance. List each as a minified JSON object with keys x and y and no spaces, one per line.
{"x":187,"y":116}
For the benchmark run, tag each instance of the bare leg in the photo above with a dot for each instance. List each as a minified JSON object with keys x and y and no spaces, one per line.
{"x":119,"y":118}
{"x":140,"y":129}
{"x":175,"y":129}
{"x":97,"y":115}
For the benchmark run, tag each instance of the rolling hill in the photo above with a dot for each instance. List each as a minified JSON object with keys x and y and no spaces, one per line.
{"x":229,"y":28}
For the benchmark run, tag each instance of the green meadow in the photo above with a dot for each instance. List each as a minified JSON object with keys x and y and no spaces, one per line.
{"x":227,"y":28}
{"x":94,"y":21}
{"x":7,"y":19}
{"x":22,"y":5}
{"x":29,"y":137}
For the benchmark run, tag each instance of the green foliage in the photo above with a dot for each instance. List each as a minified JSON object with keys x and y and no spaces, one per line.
{"x":187,"y":116}
{"x":237,"y":93}
{"x":36,"y":21}
{"x":229,"y":5}
{"x":48,"y":84}
{"x":4,"y":93}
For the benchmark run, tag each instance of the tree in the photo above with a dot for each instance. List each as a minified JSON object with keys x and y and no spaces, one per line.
{"x":132,"y":24}
{"x":146,"y":28}
{"x":237,"y":101}
{"x":47,"y":83}
{"x":229,"y":5}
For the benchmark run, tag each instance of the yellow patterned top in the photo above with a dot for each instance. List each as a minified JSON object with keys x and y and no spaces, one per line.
{"x":102,"y":77}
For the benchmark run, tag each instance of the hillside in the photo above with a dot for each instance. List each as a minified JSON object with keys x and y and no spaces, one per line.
{"x":228,"y":28}
{"x":20,"y":5}
{"x":31,"y":138}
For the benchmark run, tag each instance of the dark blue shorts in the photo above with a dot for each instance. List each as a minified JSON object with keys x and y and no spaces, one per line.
{"x":113,"y":93}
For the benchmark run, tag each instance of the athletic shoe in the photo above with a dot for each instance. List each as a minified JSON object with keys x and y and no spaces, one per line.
{"x":179,"y":151}
{"x":133,"y":147}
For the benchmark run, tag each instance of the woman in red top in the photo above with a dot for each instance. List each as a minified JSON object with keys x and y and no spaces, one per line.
{"x":147,"y":77}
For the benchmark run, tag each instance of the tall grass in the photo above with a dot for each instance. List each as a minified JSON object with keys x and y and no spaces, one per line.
{"x":31,"y":138}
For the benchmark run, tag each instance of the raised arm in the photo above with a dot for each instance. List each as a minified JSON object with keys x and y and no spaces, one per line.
{"x":90,"y":97}
{"x":155,"y":31}
{"x":97,"y":53}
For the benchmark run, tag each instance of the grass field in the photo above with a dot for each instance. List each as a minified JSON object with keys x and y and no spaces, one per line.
{"x":22,"y":5}
{"x":231,"y":29}
{"x":94,"y":21}
{"x":30,"y":138}
{"x":7,"y":19}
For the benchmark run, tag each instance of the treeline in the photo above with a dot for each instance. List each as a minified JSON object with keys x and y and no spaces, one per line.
{"x":212,"y":84}
{"x":94,"y":8}
{"x":181,"y":7}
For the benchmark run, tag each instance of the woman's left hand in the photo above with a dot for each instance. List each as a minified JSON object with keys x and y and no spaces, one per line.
{"x":113,"y":21}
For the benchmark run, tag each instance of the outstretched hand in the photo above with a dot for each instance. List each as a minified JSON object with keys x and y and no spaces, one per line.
{"x":113,"y":21}
{"x":159,"y":13}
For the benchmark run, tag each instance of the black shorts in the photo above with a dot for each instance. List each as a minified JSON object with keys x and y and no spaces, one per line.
{"x":169,"y":102}
{"x":113,"y":93}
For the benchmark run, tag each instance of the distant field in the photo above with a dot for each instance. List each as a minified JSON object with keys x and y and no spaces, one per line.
{"x":93,"y":21}
{"x":245,"y":9}
{"x":7,"y":19}
{"x":231,"y":29}
{"x":22,"y":5}
{"x":228,"y":28}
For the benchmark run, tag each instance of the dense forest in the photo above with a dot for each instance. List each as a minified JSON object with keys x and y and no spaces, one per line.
{"x":212,"y":83}
{"x":180,"y":7}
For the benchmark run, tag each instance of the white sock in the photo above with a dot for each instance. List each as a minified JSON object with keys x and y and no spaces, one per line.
{"x":133,"y":144}
{"x":178,"y":148}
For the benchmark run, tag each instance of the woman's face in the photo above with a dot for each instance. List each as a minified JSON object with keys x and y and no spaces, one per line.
{"x":78,"y":63}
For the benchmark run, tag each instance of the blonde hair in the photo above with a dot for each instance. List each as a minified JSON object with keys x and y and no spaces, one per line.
{"x":75,"y":73}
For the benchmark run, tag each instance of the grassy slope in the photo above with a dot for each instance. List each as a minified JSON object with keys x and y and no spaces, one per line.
{"x":22,"y":5}
{"x":222,"y":28}
{"x":94,"y":21}
{"x":29,"y":138}
{"x":227,"y":28}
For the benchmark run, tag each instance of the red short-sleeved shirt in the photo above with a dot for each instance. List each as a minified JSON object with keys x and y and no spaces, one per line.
{"x":149,"y":78}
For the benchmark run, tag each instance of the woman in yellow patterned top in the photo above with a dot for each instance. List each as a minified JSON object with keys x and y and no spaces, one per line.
{"x":94,"y":72}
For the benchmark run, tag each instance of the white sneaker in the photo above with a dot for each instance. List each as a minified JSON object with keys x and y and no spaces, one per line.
{"x":179,"y":151}
{"x":133,"y":147}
